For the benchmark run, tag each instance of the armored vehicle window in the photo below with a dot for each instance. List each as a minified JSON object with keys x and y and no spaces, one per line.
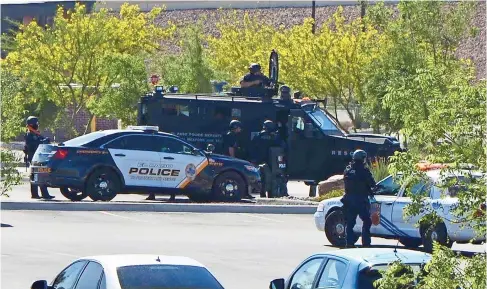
{"x":171,"y":145}
{"x":175,"y":109}
{"x":222,"y":112}
{"x":132,"y":142}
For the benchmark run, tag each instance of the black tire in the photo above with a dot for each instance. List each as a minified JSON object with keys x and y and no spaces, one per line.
{"x":229,"y":187}
{"x":438,"y":233}
{"x":72,"y":194}
{"x":335,"y":229}
{"x":103,"y":185}
{"x":411,"y":242}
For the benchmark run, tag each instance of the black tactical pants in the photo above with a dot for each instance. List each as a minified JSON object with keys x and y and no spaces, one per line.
{"x":34,"y":191}
{"x":275,"y":185}
{"x":362,"y":210}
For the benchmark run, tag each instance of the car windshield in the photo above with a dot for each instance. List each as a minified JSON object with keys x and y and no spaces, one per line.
{"x":84,"y":139}
{"x":324,"y":122}
{"x":368,"y":276}
{"x":165,"y":277}
{"x":388,"y":186}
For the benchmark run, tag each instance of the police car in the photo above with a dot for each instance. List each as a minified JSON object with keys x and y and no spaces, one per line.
{"x":140,"y":159}
{"x":387,"y":213}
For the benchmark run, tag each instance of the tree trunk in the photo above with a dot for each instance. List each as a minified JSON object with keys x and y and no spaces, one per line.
{"x":88,"y":125}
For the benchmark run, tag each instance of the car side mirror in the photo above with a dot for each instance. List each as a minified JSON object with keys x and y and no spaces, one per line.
{"x":277,"y":284}
{"x":210,"y":148}
{"x":39,"y":284}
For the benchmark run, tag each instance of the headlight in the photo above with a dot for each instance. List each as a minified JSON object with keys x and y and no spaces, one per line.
{"x":251,"y":168}
{"x":321,"y":207}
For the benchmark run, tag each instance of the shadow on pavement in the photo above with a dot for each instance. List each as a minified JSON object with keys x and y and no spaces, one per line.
{"x":420,"y":249}
{"x":6,"y":225}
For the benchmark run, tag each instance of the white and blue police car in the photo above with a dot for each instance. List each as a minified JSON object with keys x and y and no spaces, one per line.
{"x":140,"y":159}
{"x":389,"y":220}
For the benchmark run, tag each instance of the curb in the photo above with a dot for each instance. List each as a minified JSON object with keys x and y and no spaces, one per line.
{"x":168,"y":208}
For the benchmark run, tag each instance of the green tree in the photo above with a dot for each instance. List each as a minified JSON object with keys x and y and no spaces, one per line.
{"x":189,"y":69}
{"x":68,"y":63}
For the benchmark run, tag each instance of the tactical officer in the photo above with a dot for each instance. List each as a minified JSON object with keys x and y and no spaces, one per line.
{"x":359,"y":183}
{"x":231,"y":141}
{"x":255,"y":78}
{"x":33,"y":139}
{"x":261,"y":144}
{"x":285,"y":93}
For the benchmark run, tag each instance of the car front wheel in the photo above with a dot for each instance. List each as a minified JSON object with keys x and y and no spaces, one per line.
{"x":229,"y":187}
{"x":103,"y":185}
{"x":335,"y":229}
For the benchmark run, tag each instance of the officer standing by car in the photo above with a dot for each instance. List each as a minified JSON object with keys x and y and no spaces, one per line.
{"x":255,"y":78}
{"x":359,"y":184}
{"x":33,"y":139}
{"x":261,"y":145}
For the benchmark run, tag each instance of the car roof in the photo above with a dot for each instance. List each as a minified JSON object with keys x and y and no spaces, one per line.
{"x":438,"y":175}
{"x":112,"y":131}
{"x":113,"y":261}
{"x":376,"y":256}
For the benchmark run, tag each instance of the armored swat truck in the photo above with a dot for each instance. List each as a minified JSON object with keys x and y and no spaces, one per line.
{"x":316,"y":147}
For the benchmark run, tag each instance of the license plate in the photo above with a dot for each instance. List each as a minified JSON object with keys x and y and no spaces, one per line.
{"x":36,"y":177}
{"x":43,"y":170}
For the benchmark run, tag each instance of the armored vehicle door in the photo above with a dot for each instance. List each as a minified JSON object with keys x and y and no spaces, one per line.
{"x":306,"y":147}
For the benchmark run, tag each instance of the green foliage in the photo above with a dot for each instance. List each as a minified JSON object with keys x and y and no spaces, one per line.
{"x":188,"y":70}
{"x":329,"y":195}
{"x":380,"y":169}
{"x":75,"y":63}
{"x":11,"y":105}
{"x":9,"y":174}
{"x":398,"y":276}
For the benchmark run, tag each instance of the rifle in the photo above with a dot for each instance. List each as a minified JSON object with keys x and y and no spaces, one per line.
{"x":26,"y":161}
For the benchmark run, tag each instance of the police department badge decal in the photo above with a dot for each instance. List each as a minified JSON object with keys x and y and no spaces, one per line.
{"x":190,"y":171}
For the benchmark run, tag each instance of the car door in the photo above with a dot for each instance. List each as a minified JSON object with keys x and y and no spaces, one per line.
{"x":137,"y":159}
{"x":304,"y":277}
{"x":181,"y":161}
{"x":91,"y":276}
{"x":406,"y":226}
{"x":386,"y":194}
{"x":68,"y":277}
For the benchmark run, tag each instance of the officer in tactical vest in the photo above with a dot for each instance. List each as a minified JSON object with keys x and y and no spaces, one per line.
{"x":232,"y":141}
{"x":261,"y":155}
{"x":33,"y":139}
{"x":359,"y":184}
{"x":255,"y":78}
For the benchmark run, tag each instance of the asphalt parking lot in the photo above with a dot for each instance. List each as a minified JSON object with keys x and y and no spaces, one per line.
{"x":242,"y":250}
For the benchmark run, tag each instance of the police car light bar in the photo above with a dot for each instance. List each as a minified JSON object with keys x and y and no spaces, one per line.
{"x":143,"y":127}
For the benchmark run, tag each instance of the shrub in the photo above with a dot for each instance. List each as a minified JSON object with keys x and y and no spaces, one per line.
{"x":379,"y":169}
{"x":331,"y":194}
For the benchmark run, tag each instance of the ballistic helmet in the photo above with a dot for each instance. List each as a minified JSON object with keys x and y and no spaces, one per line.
{"x":254,"y":67}
{"x":235,"y":124}
{"x":269,"y":126}
{"x":33,"y":122}
{"x":359,"y":155}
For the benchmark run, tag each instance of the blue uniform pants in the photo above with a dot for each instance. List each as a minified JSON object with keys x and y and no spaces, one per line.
{"x":361,"y":209}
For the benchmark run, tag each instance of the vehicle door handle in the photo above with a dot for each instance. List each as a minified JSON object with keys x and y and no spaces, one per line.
{"x":168,"y":158}
{"x":389,"y":203}
{"x":119,"y":155}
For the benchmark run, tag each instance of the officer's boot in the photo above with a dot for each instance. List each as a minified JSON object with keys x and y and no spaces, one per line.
{"x":34,"y":192}
{"x":45,"y":193}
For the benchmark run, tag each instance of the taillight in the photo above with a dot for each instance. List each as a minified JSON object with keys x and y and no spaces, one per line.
{"x":61,"y":154}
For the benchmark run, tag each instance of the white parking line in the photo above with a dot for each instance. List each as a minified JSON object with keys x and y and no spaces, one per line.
{"x":124,"y":217}
{"x":262,"y":218}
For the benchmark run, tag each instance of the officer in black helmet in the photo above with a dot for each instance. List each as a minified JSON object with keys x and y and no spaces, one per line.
{"x":359,"y":184}
{"x":255,"y":78}
{"x":285,"y":93}
{"x":261,"y":144}
{"x":33,"y":139}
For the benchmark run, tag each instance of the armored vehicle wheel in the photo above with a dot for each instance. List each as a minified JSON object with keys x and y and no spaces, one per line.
{"x":335,"y":229}
{"x":434,"y":233}
{"x":411,"y":242}
{"x":72,"y":194}
{"x":103,"y":185}
{"x":229,"y":187}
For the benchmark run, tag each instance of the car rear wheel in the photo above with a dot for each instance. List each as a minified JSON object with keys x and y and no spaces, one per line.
{"x":434,"y":233}
{"x":411,"y":242}
{"x":72,"y":194}
{"x":229,"y":187}
{"x":335,"y":229}
{"x":103,"y":185}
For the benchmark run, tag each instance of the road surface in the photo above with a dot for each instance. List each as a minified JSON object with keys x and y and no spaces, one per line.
{"x":243,"y":250}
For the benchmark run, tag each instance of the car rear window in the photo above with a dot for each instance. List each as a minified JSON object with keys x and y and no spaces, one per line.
{"x":367,"y":277}
{"x":85,"y":139}
{"x":165,"y":277}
